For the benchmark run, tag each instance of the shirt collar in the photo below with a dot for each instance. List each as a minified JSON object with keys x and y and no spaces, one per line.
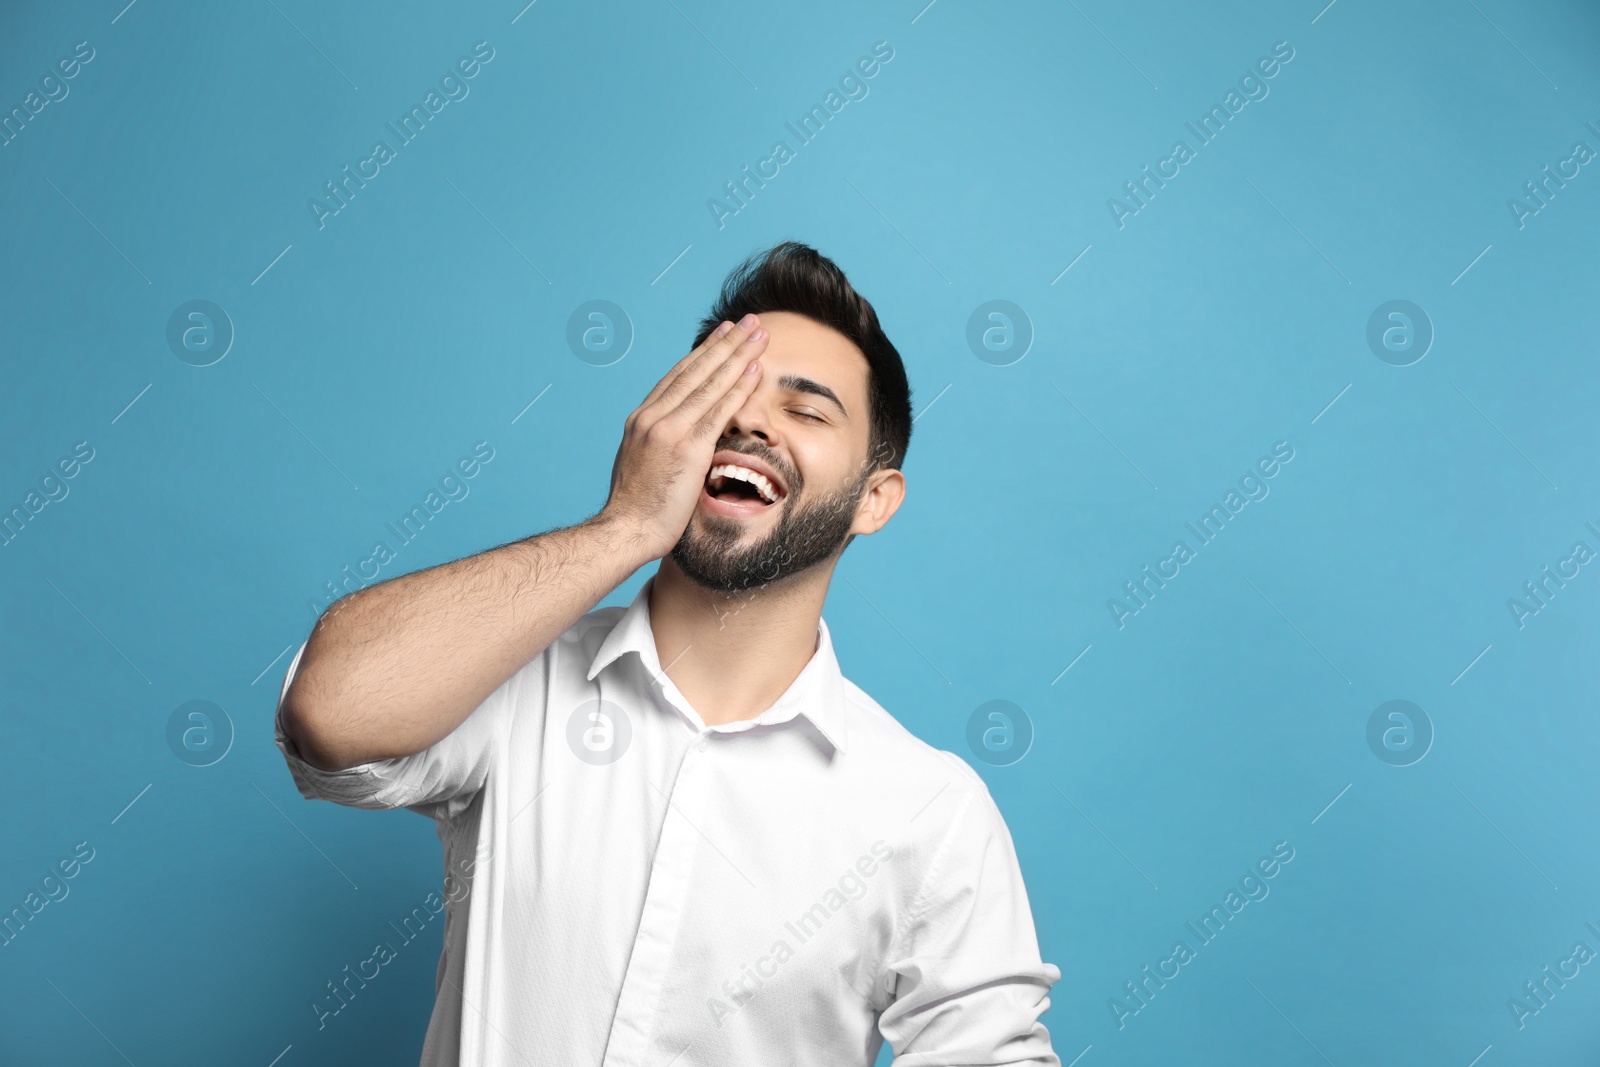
{"x":817,"y":692}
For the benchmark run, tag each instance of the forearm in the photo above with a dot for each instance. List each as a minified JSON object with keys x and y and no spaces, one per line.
{"x":392,"y":669}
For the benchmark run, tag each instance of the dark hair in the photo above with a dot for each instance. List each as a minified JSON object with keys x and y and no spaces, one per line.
{"x":794,"y":277}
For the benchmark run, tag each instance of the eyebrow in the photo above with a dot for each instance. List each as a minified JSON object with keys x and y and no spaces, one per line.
{"x":798,"y":384}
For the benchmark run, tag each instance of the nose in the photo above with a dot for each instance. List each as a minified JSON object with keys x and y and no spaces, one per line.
{"x":751,"y":420}
{"x":756,"y":432}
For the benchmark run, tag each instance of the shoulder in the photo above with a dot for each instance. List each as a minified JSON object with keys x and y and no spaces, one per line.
{"x":907,"y":762}
{"x":947,"y":836}
{"x":591,"y":629}
{"x":569,"y":655}
{"x":585,"y":636}
{"x":887,"y":735}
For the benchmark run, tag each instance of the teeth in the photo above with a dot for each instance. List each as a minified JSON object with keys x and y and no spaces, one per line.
{"x":745,"y":474}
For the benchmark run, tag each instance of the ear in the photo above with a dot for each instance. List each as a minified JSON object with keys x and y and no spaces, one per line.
{"x":886,"y":489}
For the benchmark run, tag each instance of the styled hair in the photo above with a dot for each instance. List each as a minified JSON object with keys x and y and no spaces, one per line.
{"x":797,"y":278}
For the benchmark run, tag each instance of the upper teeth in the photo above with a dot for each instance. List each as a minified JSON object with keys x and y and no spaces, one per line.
{"x":745,"y":474}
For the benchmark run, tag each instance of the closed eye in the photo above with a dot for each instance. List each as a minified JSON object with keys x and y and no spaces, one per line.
{"x":810,"y":415}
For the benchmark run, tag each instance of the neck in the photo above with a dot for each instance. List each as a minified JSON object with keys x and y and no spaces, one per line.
{"x":732,"y":655}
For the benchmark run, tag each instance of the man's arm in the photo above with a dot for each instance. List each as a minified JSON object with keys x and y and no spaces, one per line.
{"x":966,"y":979}
{"x":394,"y":668}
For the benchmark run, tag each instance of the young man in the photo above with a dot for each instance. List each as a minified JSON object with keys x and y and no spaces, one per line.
{"x":675,"y":834}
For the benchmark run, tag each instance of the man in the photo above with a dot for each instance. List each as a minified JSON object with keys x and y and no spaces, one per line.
{"x":681,"y":836}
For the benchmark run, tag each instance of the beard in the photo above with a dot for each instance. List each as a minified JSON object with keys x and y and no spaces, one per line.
{"x":806,"y":534}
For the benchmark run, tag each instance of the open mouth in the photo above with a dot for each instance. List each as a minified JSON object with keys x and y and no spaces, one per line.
{"x":742,"y":488}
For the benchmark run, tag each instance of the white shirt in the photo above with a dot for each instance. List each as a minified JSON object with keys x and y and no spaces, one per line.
{"x":639,"y":889}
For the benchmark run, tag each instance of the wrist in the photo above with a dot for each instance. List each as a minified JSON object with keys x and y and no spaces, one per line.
{"x":630,"y":538}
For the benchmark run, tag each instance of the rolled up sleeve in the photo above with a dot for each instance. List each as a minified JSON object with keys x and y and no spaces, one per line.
{"x":439,"y":782}
{"x":969,"y":984}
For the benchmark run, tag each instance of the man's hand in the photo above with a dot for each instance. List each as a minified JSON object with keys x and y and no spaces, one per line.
{"x":668,"y":440}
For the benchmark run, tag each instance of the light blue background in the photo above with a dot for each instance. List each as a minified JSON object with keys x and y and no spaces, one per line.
{"x":1227,"y":315}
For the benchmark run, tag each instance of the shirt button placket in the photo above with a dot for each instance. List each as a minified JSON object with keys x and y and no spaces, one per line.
{"x":661,"y":917}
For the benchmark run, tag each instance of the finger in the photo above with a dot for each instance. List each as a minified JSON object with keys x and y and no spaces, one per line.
{"x":695,"y":353}
{"x":696,"y":373}
{"x":716,"y":341}
{"x":720,"y":378}
{"x":733,"y":397}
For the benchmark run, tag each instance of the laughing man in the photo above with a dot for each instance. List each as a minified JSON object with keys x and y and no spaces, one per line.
{"x":686,"y":837}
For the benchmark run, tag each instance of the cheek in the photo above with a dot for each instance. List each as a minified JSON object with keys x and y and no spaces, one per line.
{"x":861,"y":459}
{"x":831,"y":474}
